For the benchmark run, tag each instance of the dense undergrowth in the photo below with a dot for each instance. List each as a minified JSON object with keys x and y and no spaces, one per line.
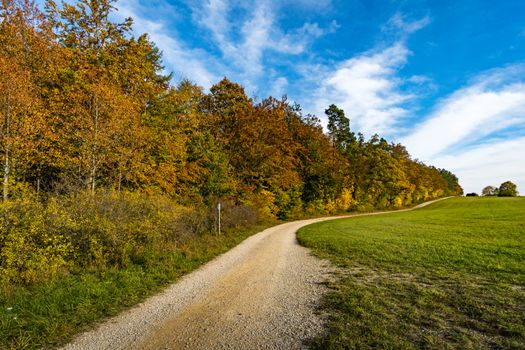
{"x":67,"y":262}
{"x":44,"y":239}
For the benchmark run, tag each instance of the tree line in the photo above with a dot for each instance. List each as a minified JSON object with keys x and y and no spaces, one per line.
{"x":506,"y":189}
{"x":107,"y":164}
{"x":85,"y":106}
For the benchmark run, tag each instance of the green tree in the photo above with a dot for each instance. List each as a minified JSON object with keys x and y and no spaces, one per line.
{"x":339,"y":128}
{"x":322,"y":167}
{"x":508,"y":189}
{"x":452,"y":182}
{"x":490,"y":191}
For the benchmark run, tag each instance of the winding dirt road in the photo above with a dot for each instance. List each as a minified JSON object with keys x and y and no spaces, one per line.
{"x":262,"y":294}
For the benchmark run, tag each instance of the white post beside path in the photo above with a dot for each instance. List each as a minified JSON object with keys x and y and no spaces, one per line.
{"x":219,"y":209}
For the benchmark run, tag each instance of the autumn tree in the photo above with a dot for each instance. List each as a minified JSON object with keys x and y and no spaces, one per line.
{"x":20,"y":110}
{"x":85,"y":104}
{"x":452,"y":182}
{"x":380,"y":178}
{"x":142,"y":85}
{"x":184,"y":157}
{"x":112,"y":80}
{"x":17,"y":106}
{"x":319,"y":161}
{"x":225,"y":107}
{"x":168,"y":118}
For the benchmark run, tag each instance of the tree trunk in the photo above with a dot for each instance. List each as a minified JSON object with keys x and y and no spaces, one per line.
{"x":93,"y":170}
{"x":7,"y":122}
{"x":119,"y":179}
{"x":6,"y":174}
{"x":93,"y":175}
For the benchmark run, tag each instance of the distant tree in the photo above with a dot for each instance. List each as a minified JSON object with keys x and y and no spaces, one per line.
{"x":489,"y":191}
{"x":472,"y":194}
{"x":507,"y":189}
{"x":452,"y":182}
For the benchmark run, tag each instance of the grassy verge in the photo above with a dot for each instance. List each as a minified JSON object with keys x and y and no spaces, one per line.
{"x":450,"y":275}
{"x":49,"y":314}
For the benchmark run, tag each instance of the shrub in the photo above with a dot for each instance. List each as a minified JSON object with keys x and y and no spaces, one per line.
{"x":39,"y":241}
{"x":30,"y":250}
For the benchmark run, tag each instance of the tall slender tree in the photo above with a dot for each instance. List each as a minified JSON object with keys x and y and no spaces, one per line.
{"x":21,"y":115}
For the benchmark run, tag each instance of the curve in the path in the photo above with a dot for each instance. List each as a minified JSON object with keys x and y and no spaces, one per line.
{"x":262,"y":294}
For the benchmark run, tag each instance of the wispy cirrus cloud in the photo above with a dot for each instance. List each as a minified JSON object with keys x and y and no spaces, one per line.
{"x":471,"y":132}
{"x":312,"y":5}
{"x":279,"y":86}
{"x":245,"y":34}
{"x":400,"y":25}
{"x":183,"y":60}
{"x":494,"y":102}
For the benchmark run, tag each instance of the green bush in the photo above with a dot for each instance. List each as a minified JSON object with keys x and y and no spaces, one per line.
{"x":116,"y":229}
{"x":30,"y":250}
{"x":42,"y":240}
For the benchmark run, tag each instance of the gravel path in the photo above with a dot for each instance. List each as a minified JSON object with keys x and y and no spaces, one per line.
{"x":262,"y":294}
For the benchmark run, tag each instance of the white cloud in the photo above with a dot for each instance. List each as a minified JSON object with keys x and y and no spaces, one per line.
{"x":366,"y":87}
{"x":315,"y":31}
{"x":456,"y":135}
{"x":419,"y":79}
{"x":468,"y":115}
{"x":398,"y":24}
{"x":317,"y":5}
{"x":256,"y":33}
{"x":184,"y":61}
{"x":244,"y":38}
{"x":488,"y":164}
{"x":246,"y":35}
{"x":278,"y":87}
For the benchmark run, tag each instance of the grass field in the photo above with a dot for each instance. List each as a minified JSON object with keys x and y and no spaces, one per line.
{"x":447,"y":276}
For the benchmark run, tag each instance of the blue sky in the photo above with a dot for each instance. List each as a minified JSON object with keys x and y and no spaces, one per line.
{"x":446,"y":78}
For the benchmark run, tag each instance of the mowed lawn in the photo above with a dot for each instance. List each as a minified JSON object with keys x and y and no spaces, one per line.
{"x":447,"y":276}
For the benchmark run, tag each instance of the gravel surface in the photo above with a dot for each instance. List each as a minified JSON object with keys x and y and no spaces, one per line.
{"x":262,"y":294}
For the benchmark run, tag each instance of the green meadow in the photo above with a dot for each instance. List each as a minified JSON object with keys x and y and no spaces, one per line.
{"x":447,"y":276}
